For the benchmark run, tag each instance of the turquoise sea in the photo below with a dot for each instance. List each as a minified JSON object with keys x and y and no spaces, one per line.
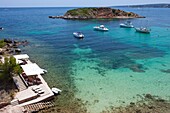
{"x":105,"y":68}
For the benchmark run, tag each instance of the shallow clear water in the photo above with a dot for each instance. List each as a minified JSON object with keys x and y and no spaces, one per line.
{"x":108,"y":69}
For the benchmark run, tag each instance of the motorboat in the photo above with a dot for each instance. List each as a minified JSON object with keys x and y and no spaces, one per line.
{"x":55,"y":90}
{"x":127,"y":24}
{"x":143,"y":30}
{"x":1,"y":28}
{"x":78,"y":34}
{"x":17,"y":50}
{"x":45,"y":71}
{"x":101,"y":28}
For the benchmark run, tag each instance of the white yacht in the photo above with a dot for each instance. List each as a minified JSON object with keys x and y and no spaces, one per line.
{"x":101,"y":28}
{"x":78,"y":35}
{"x":127,"y":24}
{"x":143,"y":30}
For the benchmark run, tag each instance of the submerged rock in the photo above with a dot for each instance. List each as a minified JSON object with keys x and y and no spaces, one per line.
{"x":149,"y":96}
{"x":136,"y":68}
{"x":165,"y":71}
{"x":150,"y":104}
{"x":126,"y":62}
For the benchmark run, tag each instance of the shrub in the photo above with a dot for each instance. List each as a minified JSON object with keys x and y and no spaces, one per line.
{"x":2,"y":43}
{"x":9,"y":67}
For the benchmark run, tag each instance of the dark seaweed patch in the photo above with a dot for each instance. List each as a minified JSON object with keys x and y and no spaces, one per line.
{"x":145,"y":53}
{"x":100,"y":71}
{"x":165,"y":71}
{"x":126,"y":62}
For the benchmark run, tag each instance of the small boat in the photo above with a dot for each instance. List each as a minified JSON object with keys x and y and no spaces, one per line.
{"x":101,"y":28}
{"x":1,"y":28}
{"x":55,"y":90}
{"x":127,"y":24}
{"x":143,"y":30}
{"x":78,"y":35}
{"x":18,"y":50}
{"x":45,"y":71}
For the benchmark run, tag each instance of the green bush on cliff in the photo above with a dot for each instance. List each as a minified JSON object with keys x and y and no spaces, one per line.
{"x":8,"y":68}
{"x":2,"y":43}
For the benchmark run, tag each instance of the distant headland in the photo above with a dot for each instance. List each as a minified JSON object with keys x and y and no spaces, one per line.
{"x":148,"y":6}
{"x":97,"y":13}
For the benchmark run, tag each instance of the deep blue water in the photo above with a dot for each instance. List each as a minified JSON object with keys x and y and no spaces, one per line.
{"x":54,"y":48}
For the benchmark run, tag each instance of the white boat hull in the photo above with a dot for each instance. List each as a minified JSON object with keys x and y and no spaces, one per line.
{"x":126,"y":26}
{"x":55,"y":90}
{"x":101,"y":29}
{"x":142,"y":30}
{"x":77,"y":35}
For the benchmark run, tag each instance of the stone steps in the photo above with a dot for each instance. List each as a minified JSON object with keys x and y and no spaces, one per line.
{"x":38,"y":106}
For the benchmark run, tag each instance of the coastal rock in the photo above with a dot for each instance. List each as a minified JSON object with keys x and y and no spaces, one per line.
{"x":97,"y":13}
{"x":8,"y":40}
{"x":149,"y":96}
{"x":11,"y":46}
{"x":3,"y":104}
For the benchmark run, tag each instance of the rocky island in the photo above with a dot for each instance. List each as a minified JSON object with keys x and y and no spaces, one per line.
{"x":97,"y":13}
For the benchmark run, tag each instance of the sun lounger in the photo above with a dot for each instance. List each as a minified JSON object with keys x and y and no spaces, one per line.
{"x":41,"y":92}
{"x":35,"y":88}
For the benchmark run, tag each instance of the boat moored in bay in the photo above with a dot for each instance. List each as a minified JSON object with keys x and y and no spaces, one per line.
{"x":1,"y":28}
{"x":101,"y":28}
{"x":127,"y":24}
{"x":143,"y":30}
{"x":55,"y":90}
{"x":78,"y":34}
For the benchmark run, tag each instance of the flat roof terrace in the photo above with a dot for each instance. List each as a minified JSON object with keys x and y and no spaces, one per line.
{"x":32,"y":69}
{"x":34,"y":93}
{"x":29,"y":96}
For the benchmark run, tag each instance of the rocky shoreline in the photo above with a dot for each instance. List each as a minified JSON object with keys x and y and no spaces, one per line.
{"x":8,"y":47}
{"x":12,"y":46}
{"x":97,"y":13}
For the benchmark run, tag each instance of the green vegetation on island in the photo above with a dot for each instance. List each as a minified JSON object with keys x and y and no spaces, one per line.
{"x":97,"y":13}
{"x":81,"y":12}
